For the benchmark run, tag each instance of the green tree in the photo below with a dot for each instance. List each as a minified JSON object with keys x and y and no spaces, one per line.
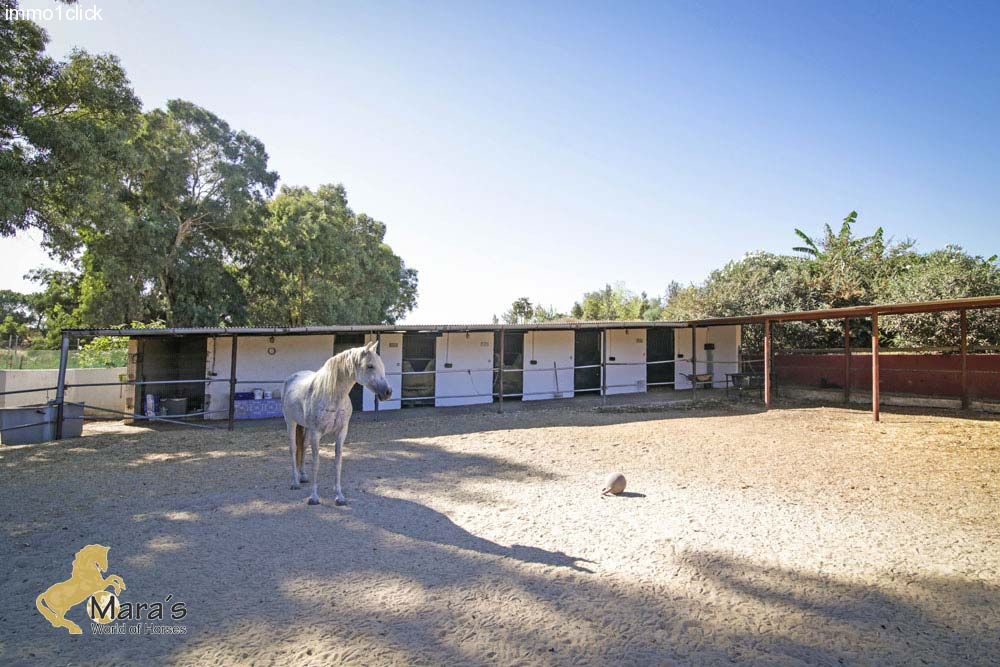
{"x":55,"y":307}
{"x":16,"y":306}
{"x":196,"y":193}
{"x":611,"y":303}
{"x":848,"y":270}
{"x":64,"y":130}
{"x":944,"y":274}
{"x":315,"y":261}
{"x":110,"y":351}
{"x":520,"y":312}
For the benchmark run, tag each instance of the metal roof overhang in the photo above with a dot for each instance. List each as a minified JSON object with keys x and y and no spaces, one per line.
{"x":803,"y":315}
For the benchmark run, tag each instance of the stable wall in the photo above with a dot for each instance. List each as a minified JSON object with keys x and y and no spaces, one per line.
{"x":547,"y":349}
{"x":626,"y":346}
{"x":470,"y":350}
{"x":391,"y":351}
{"x":112,"y":397}
{"x":260,"y":358}
{"x":724,"y":358}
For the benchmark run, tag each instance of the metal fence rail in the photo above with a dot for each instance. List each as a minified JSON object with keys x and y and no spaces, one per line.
{"x":495,"y":393}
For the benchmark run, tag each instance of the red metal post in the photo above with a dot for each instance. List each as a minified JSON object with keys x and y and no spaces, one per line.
{"x":767,"y":364}
{"x":964,"y":347}
{"x":875,"y":377}
{"x":847,"y":360}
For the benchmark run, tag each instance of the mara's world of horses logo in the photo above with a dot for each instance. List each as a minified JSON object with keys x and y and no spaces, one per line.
{"x":107,"y":611}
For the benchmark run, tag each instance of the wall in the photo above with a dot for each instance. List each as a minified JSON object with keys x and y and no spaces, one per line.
{"x":391,"y":351}
{"x":917,"y":374}
{"x":105,"y":397}
{"x":626,"y":346}
{"x":255,"y":362}
{"x":547,"y":348}
{"x":726,"y":353}
{"x":472,"y":350}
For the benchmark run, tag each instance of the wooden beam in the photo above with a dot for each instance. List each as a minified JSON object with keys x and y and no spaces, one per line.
{"x":232,"y":385}
{"x":875,"y":375}
{"x":964,"y":347}
{"x":767,"y":364}
{"x":847,"y":360}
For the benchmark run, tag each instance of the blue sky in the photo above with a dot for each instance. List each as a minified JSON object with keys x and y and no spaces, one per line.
{"x":543,"y":149}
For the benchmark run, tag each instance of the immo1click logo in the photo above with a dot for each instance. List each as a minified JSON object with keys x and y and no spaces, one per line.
{"x":87,"y":584}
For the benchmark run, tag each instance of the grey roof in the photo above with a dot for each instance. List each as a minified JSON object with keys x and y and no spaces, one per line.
{"x":371,"y":328}
{"x":968,"y":303}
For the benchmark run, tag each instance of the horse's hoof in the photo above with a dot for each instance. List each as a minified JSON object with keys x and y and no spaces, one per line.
{"x":340,"y":502}
{"x":303,"y":480}
{"x":295,"y":487}
{"x":314,"y":501}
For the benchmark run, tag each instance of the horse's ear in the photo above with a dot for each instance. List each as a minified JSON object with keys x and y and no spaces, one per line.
{"x":372,"y":346}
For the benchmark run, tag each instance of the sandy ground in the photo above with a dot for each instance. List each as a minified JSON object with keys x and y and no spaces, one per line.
{"x":798,"y":536}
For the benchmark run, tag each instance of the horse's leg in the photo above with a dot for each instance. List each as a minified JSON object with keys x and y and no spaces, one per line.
{"x":341,"y":437}
{"x":292,"y":437}
{"x":300,"y":452}
{"x":314,"y":435}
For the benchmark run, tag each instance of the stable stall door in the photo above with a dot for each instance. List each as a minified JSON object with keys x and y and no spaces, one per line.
{"x":392,"y":357}
{"x":464,"y":368}
{"x":548,"y":364}
{"x":626,"y":346}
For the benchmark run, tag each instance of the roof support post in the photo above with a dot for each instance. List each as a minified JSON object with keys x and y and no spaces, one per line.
{"x":694,"y":361}
{"x":61,"y":385}
{"x":847,"y":360}
{"x":604,"y":366}
{"x":767,"y":364}
{"x":875,"y":364}
{"x":378,"y":351}
{"x":500,"y":374}
{"x":232,"y":383}
{"x":964,"y":348}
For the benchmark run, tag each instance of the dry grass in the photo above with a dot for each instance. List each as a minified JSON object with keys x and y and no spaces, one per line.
{"x":806,"y":535}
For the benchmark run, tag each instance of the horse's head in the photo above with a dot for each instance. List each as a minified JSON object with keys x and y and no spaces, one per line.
{"x":370,"y":372}
{"x":92,"y":555}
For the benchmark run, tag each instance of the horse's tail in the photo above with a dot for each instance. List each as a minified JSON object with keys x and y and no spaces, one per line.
{"x":50,"y":615}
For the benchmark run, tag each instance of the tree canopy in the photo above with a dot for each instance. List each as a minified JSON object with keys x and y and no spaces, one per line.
{"x":315,"y":261}
{"x":168,"y":215}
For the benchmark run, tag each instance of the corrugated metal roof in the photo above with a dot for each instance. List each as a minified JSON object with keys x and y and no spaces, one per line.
{"x":370,"y":328}
{"x":970,"y":303}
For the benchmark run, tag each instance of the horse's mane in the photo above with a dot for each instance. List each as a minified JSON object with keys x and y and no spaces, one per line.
{"x":337,"y":368}
{"x":88,"y":557}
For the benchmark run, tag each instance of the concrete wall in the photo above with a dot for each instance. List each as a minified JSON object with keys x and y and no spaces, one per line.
{"x":471,"y":350}
{"x":105,"y":397}
{"x":392,"y":358}
{"x":626,"y":346}
{"x":258,"y":358}
{"x":546,"y":348}
{"x":723,"y":359}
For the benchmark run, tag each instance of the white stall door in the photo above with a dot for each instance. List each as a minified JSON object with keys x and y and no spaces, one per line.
{"x":626,"y":346}
{"x":548,"y":365}
{"x":464,"y":368}
{"x":392,"y":358}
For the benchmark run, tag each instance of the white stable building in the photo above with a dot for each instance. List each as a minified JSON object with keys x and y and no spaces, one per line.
{"x":444,"y":365}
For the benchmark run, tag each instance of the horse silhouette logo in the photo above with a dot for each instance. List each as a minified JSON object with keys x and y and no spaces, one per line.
{"x":87,"y":581}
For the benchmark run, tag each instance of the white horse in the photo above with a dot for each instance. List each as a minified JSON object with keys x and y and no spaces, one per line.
{"x":317,"y":402}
